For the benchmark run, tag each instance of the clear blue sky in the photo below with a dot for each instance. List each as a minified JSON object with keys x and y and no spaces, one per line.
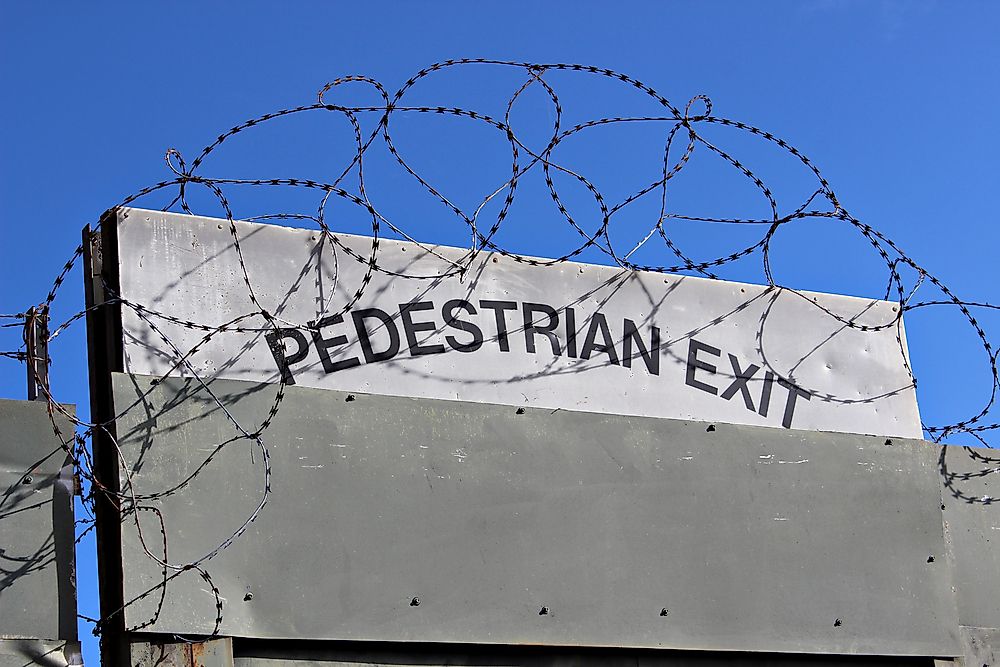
{"x":896,"y":102}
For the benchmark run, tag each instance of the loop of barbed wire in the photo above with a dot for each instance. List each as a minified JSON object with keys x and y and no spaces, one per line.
{"x":682,"y":139}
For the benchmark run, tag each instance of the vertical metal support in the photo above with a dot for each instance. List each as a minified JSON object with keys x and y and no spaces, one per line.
{"x":36,"y":338}
{"x":104,"y":340}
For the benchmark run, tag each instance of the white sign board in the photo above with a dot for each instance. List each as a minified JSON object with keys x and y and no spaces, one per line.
{"x":566,"y":337}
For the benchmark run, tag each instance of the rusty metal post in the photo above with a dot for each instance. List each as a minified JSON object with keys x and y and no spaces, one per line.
{"x":36,"y":338}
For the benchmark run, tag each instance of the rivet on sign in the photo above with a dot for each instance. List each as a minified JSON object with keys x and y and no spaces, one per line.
{"x":930,"y":559}
{"x":888,"y":442}
{"x":248,"y":597}
{"x":28,"y":479}
{"x":942,"y":506}
{"x":838,"y":623}
{"x":711,"y":427}
{"x":220,"y":226}
{"x":544,"y":611}
{"x":664,"y":612}
{"x":519,"y":411}
{"x":415,"y":602}
{"x":495,"y":260}
{"x":350,"y":397}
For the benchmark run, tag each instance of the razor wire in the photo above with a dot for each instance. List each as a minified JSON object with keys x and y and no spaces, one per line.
{"x":683,"y":138}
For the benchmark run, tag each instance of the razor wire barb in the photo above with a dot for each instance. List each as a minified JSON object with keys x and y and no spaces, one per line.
{"x":682,"y":139}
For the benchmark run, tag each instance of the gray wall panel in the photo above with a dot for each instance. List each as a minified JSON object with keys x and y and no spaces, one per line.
{"x":971,"y":493}
{"x":46,"y":653}
{"x":982,"y":646}
{"x":37,"y":579}
{"x":751,"y":538}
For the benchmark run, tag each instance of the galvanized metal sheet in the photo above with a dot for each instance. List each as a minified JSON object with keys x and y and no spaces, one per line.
{"x":982,"y":646}
{"x":568,"y":336}
{"x":45,"y":653}
{"x":37,"y":579}
{"x":971,"y":491}
{"x":398,"y":519}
